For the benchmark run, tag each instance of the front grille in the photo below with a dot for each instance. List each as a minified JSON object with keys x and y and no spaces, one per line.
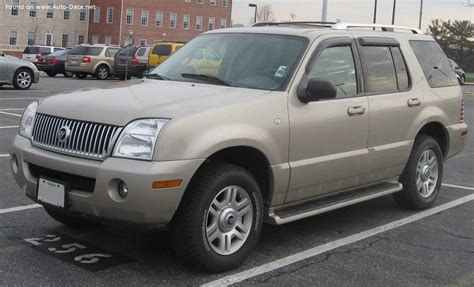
{"x":85,"y":139}
{"x":73,"y":182}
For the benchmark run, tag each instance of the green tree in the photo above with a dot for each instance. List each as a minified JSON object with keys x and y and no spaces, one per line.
{"x":461,"y":32}
{"x":440,"y":31}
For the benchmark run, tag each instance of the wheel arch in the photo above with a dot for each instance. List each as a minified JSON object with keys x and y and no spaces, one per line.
{"x":437,"y":131}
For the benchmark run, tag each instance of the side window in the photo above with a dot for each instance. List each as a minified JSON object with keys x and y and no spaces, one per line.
{"x":434,"y":63}
{"x":401,"y":69}
{"x":141,"y":52}
{"x":379,"y":70}
{"x":111,"y":52}
{"x":336,"y":64}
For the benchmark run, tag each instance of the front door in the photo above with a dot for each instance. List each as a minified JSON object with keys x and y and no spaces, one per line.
{"x":328,"y":138}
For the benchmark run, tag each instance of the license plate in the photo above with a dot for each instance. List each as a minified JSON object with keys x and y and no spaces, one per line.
{"x":51,"y":192}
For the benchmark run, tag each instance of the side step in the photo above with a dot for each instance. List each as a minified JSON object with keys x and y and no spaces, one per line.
{"x":318,"y":206}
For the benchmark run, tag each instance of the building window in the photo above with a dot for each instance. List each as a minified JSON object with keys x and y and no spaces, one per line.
{"x":49,"y":40}
{"x":212,"y":2}
{"x":50,"y":11}
{"x":110,"y":15}
{"x":95,"y":39}
{"x":144,"y":19}
{"x":80,"y":39}
{"x":108,"y":40}
{"x":13,"y":37}
{"x":159,"y":19}
{"x":225,"y":3}
{"x":187,"y":1}
{"x":173,"y":19}
{"x":212,"y":22}
{"x":31,"y":38}
{"x":67,"y":13}
{"x":33,"y":9}
{"x":97,"y":15}
{"x":15,"y":7}
{"x":200,"y":1}
{"x":143,"y":42}
{"x":223,"y":23}
{"x":186,"y":20}
{"x":65,"y":41}
{"x":199,"y":20}
{"x":82,"y":15}
{"x":129,"y":17}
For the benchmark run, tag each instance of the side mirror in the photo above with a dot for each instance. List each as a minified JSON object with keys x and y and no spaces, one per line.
{"x":317,"y":89}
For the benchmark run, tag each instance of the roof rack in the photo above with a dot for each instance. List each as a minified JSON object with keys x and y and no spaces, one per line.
{"x":388,"y":28}
{"x":339,"y":26}
{"x":296,"y":23}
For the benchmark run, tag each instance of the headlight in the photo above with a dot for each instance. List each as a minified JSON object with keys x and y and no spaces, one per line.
{"x":138,"y":139}
{"x":28,"y":120}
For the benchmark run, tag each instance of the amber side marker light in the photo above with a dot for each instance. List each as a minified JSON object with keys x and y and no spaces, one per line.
{"x":167,"y":183}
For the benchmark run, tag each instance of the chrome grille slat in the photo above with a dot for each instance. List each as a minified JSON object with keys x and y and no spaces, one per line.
{"x":86,"y":139}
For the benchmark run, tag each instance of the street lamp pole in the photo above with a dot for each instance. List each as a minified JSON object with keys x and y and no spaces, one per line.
{"x":421,"y":14}
{"x":254,"y":6}
{"x":325,"y":11}
{"x":375,"y":12}
{"x":393,"y":13}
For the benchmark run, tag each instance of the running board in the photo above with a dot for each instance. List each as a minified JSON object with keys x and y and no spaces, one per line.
{"x":318,"y":206}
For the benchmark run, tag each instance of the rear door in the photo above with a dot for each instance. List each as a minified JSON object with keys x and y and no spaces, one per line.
{"x":394,"y":105}
{"x":328,"y":138}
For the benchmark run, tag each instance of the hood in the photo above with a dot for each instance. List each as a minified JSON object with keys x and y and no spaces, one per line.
{"x":126,"y":101}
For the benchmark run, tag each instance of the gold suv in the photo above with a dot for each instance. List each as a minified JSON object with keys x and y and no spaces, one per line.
{"x":96,"y":60}
{"x":287,"y":121}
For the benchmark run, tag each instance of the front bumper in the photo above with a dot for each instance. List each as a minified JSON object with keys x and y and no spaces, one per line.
{"x":143,"y":205}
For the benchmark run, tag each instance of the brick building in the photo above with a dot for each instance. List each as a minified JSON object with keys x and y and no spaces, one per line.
{"x":42,"y":22}
{"x":151,"y":21}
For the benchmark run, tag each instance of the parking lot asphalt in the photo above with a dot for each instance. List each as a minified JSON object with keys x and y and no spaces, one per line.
{"x":361,"y":249}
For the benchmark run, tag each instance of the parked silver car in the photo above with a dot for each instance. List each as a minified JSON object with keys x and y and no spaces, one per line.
{"x":13,"y":71}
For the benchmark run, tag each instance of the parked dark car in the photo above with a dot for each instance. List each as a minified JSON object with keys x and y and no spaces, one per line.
{"x":131,"y":61}
{"x":461,"y":75}
{"x":53,"y":64}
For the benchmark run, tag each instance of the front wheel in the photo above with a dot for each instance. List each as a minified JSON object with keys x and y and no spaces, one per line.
{"x":422,"y":176}
{"x":219,"y":219}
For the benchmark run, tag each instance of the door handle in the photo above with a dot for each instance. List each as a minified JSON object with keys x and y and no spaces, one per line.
{"x":356,"y":111}
{"x":414,"y":102}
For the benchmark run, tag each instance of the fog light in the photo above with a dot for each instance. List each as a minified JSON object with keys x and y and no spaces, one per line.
{"x":122,"y":189}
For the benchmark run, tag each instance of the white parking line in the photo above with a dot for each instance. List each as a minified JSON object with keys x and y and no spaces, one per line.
{"x":277,"y":264}
{"x":458,"y":186}
{"x":19,"y":208}
{"x":16,"y":99}
{"x":9,"y":127}
{"x":10,"y":114}
{"x":11,"y":110}
{"x":4,"y":155}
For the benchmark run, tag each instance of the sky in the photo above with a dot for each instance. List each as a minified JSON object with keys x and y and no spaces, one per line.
{"x":360,"y":11}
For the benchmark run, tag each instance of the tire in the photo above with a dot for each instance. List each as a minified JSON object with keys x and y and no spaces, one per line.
{"x":68,"y":220}
{"x":23,"y":79}
{"x":68,"y":74}
{"x":102,"y":72}
{"x":194,"y":218}
{"x":81,"y":76}
{"x":421,"y":178}
{"x":51,"y":74}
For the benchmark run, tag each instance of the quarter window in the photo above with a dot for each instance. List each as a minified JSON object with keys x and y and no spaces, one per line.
{"x":380,"y":76}
{"x":401,"y":69}
{"x":336,"y":64}
{"x":434,"y":63}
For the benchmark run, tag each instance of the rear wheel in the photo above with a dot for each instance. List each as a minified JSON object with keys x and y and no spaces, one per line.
{"x":219,"y":219}
{"x":23,"y":79}
{"x":422,"y":176}
{"x":68,"y":220}
{"x":102,"y":72}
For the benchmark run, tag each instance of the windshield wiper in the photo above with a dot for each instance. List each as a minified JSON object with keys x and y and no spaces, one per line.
{"x":208,"y":78}
{"x":156,"y":77}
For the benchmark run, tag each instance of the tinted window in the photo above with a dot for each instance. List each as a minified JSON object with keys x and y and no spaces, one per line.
{"x":434,"y":63}
{"x":400,"y":68}
{"x":61,"y":54}
{"x":31,"y":50}
{"x":93,"y":51}
{"x":162,"y":50}
{"x":111,"y":52}
{"x":141,"y":52}
{"x":379,"y":70}
{"x":127,"y":51}
{"x":336,"y":64}
{"x":79,"y":50}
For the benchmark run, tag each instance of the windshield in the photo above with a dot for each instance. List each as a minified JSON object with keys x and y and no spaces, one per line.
{"x":242,"y":60}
